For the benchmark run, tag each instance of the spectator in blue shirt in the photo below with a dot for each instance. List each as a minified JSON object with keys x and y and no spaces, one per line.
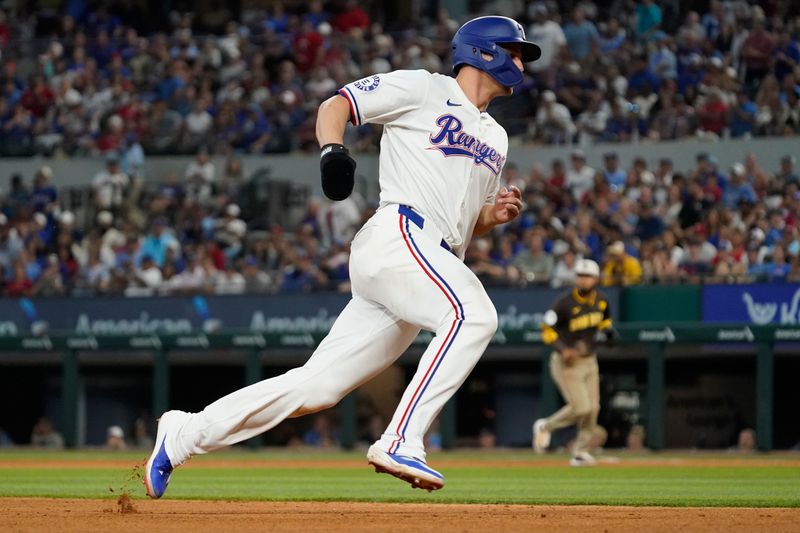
{"x":743,"y":115}
{"x":12,"y":91}
{"x":255,"y":129}
{"x":649,"y":225}
{"x":648,"y":19}
{"x":712,"y":21}
{"x":43,"y":196}
{"x":663,"y":62}
{"x":738,"y":188}
{"x":170,"y":84}
{"x":102,"y":50}
{"x":614,"y":176}
{"x":316,"y":14}
{"x":589,"y":236}
{"x":17,"y":197}
{"x":707,"y":168}
{"x":278,"y":20}
{"x":581,"y":34}
{"x":787,"y":55}
{"x":787,"y":173}
{"x":303,"y":276}
{"x":775,"y":266}
{"x":612,"y":38}
{"x":101,"y":20}
{"x":158,"y":242}
{"x":619,"y":126}
{"x":692,"y":75}
{"x":642,"y":77}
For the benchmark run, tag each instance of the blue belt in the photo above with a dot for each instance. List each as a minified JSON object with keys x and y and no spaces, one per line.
{"x":419,"y":221}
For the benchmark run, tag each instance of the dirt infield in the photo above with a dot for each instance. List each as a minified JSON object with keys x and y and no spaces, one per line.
{"x":66,"y":516}
{"x":195,"y":516}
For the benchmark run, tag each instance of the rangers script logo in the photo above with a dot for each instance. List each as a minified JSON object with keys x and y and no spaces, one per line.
{"x":452,"y":140}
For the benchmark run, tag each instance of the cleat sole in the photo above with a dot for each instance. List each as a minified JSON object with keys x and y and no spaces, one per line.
{"x":414,"y":481}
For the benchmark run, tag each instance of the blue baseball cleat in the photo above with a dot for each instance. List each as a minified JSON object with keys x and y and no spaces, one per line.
{"x":159,"y":467}
{"x":409,"y":469}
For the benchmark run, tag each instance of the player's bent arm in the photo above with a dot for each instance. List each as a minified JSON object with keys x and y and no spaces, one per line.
{"x":551,"y":338}
{"x":549,"y":334}
{"x":506,"y":207}
{"x":332,"y":117}
{"x":485,"y":221}
{"x":336,"y":167}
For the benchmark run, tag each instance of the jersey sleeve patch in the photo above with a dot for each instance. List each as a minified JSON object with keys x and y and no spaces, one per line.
{"x":368,"y":84}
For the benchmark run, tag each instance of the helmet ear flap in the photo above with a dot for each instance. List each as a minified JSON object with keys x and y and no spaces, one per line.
{"x":483,"y":35}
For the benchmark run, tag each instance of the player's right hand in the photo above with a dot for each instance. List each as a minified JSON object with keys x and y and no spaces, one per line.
{"x":338,"y":171}
{"x":507,"y":205}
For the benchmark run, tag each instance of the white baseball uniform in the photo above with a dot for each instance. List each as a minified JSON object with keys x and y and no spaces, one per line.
{"x":440,"y":163}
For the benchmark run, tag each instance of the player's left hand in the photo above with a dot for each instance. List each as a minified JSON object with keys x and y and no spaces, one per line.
{"x":607,"y":336}
{"x":507,"y":204}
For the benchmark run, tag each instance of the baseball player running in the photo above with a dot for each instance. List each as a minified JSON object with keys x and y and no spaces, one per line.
{"x":440,"y":162}
{"x":572,"y":327}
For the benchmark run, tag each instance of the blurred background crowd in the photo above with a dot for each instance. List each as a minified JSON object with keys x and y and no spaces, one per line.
{"x":93,"y":77}
{"x":644,"y":222}
{"x":110,"y":82}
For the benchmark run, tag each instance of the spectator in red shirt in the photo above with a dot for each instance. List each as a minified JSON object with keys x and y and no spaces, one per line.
{"x":738,"y":251}
{"x":21,"y":285}
{"x":712,"y":189}
{"x":113,"y":135}
{"x":757,"y":51}
{"x":556,"y":183}
{"x":714,"y":114}
{"x":38,"y":97}
{"x":351,"y":17}
{"x":307,"y":48}
{"x":5,"y":30}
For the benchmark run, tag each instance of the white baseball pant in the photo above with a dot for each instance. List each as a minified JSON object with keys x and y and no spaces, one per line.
{"x":403,"y":280}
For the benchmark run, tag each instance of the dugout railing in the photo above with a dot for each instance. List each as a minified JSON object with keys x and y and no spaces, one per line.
{"x":69,"y":350}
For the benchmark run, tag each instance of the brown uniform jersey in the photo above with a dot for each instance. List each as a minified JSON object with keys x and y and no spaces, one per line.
{"x":574,"y":318}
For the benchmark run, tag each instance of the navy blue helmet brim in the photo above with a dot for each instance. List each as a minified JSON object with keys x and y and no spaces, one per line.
{"x":530,"y":51}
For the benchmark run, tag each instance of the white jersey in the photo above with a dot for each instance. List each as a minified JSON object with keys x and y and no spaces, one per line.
{"x":439,"y":153}
{"x":444,"y":160}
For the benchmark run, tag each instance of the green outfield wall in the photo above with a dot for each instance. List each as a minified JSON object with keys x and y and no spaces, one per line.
{"x":653,"y":339}
{"x":650,"y":303}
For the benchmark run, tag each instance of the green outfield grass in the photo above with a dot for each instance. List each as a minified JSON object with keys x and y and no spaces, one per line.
{"x":669,"y":480}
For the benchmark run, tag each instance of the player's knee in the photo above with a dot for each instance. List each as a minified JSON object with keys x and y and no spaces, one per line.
{"x":582,"y":411}
{"x":483,"y":316}
{"x":320,"y":398}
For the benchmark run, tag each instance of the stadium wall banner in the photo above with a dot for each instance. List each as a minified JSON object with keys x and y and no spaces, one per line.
{"x":299,"y":319}
{"x":759,"y":304}
{"x":661,"y":303}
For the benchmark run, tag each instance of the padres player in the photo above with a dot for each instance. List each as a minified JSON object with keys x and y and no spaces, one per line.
{"x":440,"y":162}
{"x":572,"y":327}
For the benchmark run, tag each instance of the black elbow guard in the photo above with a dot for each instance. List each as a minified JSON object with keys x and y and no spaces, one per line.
{"x":338,"y":171}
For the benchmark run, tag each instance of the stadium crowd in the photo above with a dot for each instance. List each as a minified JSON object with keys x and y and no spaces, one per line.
{"x":112,"y":78}
{"x":113,"y":85}
{"x":644,"y":223}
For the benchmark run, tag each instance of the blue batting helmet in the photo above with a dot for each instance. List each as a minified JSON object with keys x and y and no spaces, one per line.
{"x":486,"y":35}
